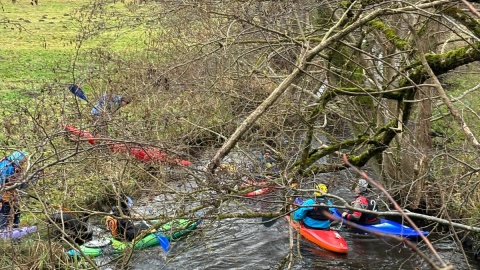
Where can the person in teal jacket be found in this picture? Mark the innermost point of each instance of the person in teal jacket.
(314, 216)
(10, 173)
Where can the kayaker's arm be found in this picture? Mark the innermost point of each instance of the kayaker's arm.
(354, 216)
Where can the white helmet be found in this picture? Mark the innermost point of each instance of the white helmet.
(362, 185)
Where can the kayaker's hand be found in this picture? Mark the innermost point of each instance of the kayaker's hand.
(344, 214)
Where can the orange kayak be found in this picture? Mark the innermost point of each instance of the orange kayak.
(330, 240)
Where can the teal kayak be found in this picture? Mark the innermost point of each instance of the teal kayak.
(172, 230)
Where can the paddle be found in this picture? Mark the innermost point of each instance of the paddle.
(268, 222)
(162, 239)
(164, 243)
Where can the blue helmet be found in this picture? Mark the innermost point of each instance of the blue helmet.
(17, 157)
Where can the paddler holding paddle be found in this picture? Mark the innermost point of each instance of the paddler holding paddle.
(312, 211)
(362, 202)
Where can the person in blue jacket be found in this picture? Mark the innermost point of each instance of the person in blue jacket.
(312, 211)
(10, 174)
(109, 103)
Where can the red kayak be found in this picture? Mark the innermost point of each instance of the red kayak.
(253, 183)
(80, 133)
(145, 154)
(328, 239)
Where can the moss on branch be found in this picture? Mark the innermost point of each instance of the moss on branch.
(442, 63)
(390, 34)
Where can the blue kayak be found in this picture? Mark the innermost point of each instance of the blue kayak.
(388, 227)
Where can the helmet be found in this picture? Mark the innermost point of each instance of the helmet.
(362, 185)
(321, 189)
(17, 157)
(228, 167)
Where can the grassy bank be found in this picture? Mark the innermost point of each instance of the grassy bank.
(37, 43)
(45, 43)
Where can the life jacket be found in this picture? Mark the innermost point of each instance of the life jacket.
(317, 212)
(367, 204)
(112, 225)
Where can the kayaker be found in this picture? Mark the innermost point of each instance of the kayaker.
(312, 211)
(76, 228)
(362, 202)
(109, 103)
(106, 106)
(11, 168)
(268, 163)
(120, 224)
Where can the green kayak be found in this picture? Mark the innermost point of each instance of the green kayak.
(172, 230)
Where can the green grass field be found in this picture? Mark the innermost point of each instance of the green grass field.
(36, 42)
(40, 42)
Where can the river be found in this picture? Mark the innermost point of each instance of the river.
(247, 244)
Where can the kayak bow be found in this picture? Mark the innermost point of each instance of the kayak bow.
(172, 230)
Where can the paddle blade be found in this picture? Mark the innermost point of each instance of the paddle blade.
(77, 91)
(163, 241)
(268, 222)
(298, 201)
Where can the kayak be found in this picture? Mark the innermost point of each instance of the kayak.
(330, 240)
(172, 230)
(264, 189)
(388, 227)
(145, 154)
(16, 233)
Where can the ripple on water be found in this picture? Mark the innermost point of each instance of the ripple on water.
(236, 244)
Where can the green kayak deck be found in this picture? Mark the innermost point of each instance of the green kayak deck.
(172, 230)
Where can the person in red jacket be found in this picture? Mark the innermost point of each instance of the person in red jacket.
(362, 202)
